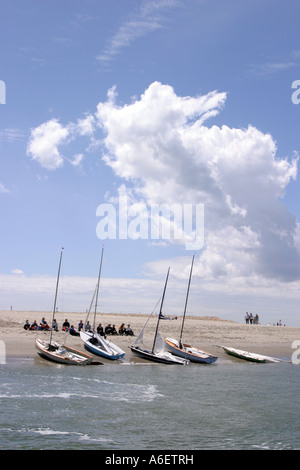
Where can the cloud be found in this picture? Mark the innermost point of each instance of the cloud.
(165, 152)
(85, 126)
(11, 135)
(273, 67)
(36, 293)
(17, 271)
(148, 18)
(77, 159)
(75, 293)
(44, 142)
(161, 146)
(3, 189)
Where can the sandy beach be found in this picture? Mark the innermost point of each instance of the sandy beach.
(207, 333)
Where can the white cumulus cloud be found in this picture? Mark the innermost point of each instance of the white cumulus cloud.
(161, 144)
(164, 149)
(44, 142)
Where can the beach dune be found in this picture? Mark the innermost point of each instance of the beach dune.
(207, 333)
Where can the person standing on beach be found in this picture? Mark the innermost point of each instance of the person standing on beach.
(247, 318)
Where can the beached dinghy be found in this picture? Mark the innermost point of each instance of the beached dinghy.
(178, 348)
(191, 353)
(57, 352)
(249, 356)
(95, 343)
(62, 354)
(100, 346)
(157, 353)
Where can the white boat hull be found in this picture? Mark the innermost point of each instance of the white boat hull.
(248, 356)
(163, 357)
(189, 352)
(100, 346)
(62, 354)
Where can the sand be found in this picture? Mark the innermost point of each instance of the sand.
(207, 333)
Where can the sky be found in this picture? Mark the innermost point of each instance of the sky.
(156, 130)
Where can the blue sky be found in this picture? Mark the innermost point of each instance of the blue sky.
(171, 101)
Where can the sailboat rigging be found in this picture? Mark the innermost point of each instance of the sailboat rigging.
(56, 352)
(186, 351)
(157, 353)
(93, 342)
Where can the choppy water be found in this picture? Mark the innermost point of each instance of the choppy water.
(120, 406)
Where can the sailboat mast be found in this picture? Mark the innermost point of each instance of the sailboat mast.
(54, 306)
(97, 291)
(186, 301)
(160, 311)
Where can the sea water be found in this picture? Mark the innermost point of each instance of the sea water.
(231, 404)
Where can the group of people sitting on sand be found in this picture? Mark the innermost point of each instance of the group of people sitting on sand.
(108, 330)
(43, 325)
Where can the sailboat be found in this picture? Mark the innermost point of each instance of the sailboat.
(95, 343)
(157, 353)
(56, 352)
(186, 351)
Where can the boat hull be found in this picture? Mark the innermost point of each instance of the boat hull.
(163, 358)
(248, 356)
(101, 347)
(62, 354)
(189, 352)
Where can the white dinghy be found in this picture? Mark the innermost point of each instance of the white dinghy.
(60, 353)
(250, 356)
(95, 343)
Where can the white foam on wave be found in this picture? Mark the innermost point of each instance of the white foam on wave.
(48, 432)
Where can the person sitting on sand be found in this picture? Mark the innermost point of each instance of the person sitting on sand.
(73, 332)
(44, 325)
(54, 325)
(80, 325)
(88, 327)
(129, 331)
(113, 330)
(34, 325)
(66, 325)
(26, 325)
(122, 329)
(100, 330)
(108, 329)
